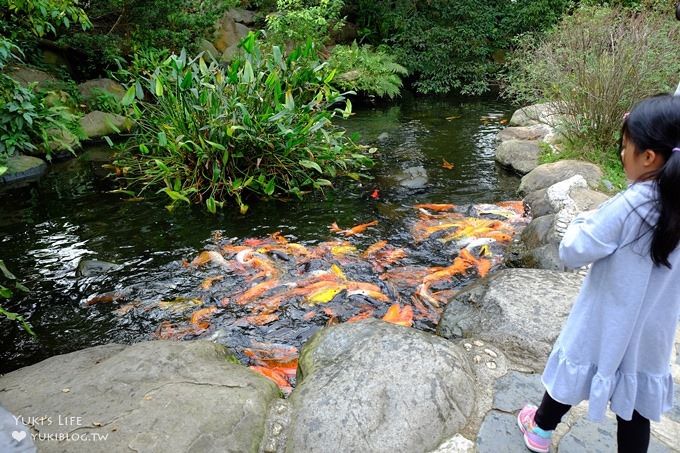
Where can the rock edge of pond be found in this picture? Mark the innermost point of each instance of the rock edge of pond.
(364, 386)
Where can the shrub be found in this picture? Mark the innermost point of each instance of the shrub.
(449, 46)
(261, 126)
(596, 65)
(363, 69)
(27, 123)
(298, 20)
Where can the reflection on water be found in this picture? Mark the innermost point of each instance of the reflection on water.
(48, 227)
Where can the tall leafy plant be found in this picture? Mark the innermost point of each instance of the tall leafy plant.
(595, 65)
(261, 126)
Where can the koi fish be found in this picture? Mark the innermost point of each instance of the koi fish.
(396, 315)
(446, 165)
(104, 298)
(377, 295)
(372, 249)
(363, 314)
(260, 320)
(256, 291)
(375, 194)
(275, 376)
(354, 230)
(324, 294)
(437, 207)
(179, 304)
(208, 282)
(200, 315)
(207, 256)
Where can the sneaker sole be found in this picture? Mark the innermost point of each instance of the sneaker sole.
(526, 441)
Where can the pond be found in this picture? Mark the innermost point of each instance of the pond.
(163, 286)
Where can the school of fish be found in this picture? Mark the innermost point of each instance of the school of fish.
(261, 283)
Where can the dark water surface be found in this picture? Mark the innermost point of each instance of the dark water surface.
(48, 227)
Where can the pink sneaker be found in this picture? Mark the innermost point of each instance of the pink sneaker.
(535, 438)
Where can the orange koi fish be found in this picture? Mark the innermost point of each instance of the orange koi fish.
(372, 249)
(208, 282)
(256, 291)
(437, 207)
(375, 194)
(261, 319)
(517, 206)
(200, 315)
(104, 298)
(396, 315)
(275, 376)
(365, 313)
(354, 230)
(446, 164)
(207, 256)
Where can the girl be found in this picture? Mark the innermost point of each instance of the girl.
(617, 342)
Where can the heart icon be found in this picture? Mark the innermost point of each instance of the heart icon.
(18, 435)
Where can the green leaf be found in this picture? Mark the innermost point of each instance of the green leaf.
(129, 96)
(210, 204)
(186, 81)
(8, 275)
(174, 195)
(269, 188)
(309, 164)
(162, 139)
(290, 103)
(323, 182)
(159, 87)
(161, 165)
(319, 124)
(248, 75)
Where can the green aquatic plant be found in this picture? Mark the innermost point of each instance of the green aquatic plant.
(6, 293)
(261, 126)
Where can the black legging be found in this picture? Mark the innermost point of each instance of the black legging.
(632, 436)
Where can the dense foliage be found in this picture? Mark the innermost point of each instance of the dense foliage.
(366, 70)
(261, 126)
(595, 65)
(450, 46)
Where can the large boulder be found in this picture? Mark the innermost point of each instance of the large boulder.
(21, 168)
(97, 124)
(150, 396)
(521, 309)
(521, 156)
(546, 113)
(546, 175)
(90, 89)
(379, 387)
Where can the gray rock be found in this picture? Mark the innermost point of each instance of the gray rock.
(589, 436)
(513, 390)
(521, 309)
(97, 124)
(518, 155)
(375, 386)
(25, 76)
(546, 175)
(241, 15)
(412, 178)
(535, 114)
(144, 397)
(22, 168)
(537, 232)
(535, 132)
(88, 268)
(90, 89)
(209, 50)
(500, 433)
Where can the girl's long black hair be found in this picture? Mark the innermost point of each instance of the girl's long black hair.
(655, 124)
